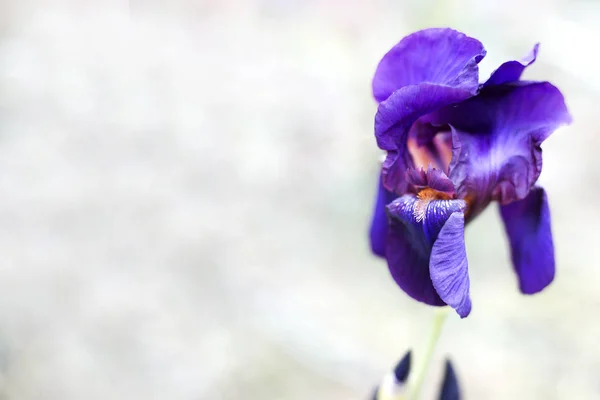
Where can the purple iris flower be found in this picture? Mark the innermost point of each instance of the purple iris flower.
(453, 146)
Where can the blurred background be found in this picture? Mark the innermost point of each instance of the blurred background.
(186, 187)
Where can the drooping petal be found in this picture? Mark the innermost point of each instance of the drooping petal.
(448, 266)
(511, 71)
(379, 222)
(436, 55)
(450, 389)
(424, 72)
(409, 264)
(414, 227)
(496, 140)
(528, 226)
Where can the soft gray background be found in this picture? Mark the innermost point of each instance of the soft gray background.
(185, 189)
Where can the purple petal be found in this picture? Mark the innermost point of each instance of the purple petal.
(414, 227)
(438, 55)
(448, 266)
(527, 223)
(393, 121)
(496, 140)
(511, 71)
(409, 265)
(379, 223)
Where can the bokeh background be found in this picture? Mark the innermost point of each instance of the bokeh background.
(185, 191)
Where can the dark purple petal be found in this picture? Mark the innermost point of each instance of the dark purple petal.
(393, 121)
(437, 55)
(379, 223)
(496, 139)
(409, 265)
(450, 389)
(527, 223)
(511, 71)
(448, 266)
(414, 228)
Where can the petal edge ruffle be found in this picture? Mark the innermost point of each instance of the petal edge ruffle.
(511, 71)
(436, 55)
(496, 138)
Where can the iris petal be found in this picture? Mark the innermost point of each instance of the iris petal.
(424, 72)
(511, 71)
(496, 139)
(528, 227)
(379, 222)
(448, 266)
(414, 228)
(408, 261)
(437, 55)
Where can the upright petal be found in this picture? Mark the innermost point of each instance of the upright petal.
(496, 140)
(435, 55)
(379, 223)
(414, 227)
(511, 71)
(425, 71)
(448, 266)
(528, 226)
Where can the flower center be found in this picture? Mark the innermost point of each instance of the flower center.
(436, 152)
(426, 196)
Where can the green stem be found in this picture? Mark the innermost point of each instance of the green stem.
(415, 380)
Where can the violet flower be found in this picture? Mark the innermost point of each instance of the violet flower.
(453, 146)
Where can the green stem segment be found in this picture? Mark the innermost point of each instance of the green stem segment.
(417, 376)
